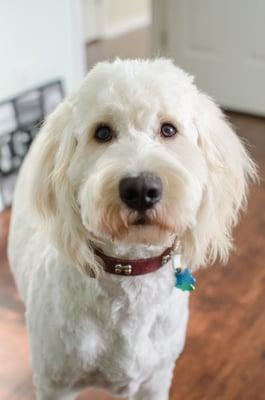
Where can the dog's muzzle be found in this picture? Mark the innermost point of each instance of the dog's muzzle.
(141, 192)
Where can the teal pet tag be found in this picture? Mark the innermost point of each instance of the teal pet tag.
(185, 280)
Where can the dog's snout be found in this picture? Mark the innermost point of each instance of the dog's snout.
(141, 192)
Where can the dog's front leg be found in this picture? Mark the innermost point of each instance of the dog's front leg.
(47, 393)
(157, 387)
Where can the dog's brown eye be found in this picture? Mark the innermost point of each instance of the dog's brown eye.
(103, 133)
(168, 130)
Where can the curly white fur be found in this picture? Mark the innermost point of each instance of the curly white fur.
(120, 333)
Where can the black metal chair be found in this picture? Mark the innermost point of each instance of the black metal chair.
(20, 120)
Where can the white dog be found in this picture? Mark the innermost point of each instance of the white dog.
(134, 162)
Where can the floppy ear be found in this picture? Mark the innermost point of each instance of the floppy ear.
(52, 194)
(230, 169)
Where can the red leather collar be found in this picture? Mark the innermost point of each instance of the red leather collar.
(126, 267)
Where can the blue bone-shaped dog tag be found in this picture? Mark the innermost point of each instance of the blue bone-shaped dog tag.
(185, 280)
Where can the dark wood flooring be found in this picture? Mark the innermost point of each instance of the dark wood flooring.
(224, 357)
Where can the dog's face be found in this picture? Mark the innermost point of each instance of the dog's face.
(138, 171)
(139, 156)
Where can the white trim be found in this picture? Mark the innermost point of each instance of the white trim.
(158, 27)
(78, 42)
(130, 25)
(93, 19)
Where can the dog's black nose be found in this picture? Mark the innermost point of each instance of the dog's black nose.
(141, 192)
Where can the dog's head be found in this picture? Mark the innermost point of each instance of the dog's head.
(138, 155)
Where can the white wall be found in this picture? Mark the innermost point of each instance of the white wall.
(39, 40)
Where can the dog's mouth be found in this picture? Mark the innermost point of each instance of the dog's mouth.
(142, 220)
(151, 226)
(147, 222)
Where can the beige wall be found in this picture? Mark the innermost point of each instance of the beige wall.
(110, 18)
(119, 12)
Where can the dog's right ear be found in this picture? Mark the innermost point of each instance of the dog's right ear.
(52, 194)
(55, 146)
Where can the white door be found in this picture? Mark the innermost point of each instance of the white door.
(221, 42)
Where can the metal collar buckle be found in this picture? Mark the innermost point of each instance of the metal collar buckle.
(166, 259)
(126, 269)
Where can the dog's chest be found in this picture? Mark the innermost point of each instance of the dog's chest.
(119, 358)
(113, 333)
(128, 337)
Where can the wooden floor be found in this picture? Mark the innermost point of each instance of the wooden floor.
(224, 356)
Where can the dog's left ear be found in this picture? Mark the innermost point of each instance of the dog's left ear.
(230, 169)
